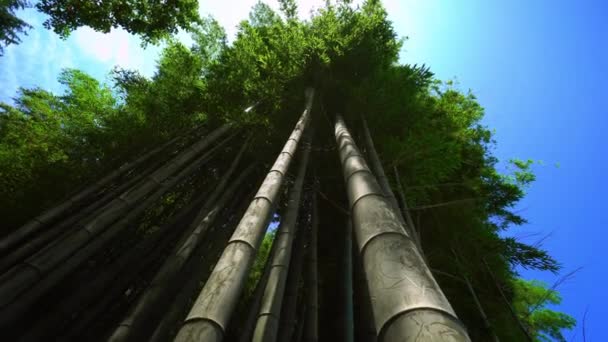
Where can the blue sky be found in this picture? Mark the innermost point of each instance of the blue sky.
(540, 68)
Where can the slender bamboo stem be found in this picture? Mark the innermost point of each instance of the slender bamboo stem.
(290, 307)
(406, 209)
(521, 324)
(312, 318)
(484, 317)
(267, 324)
(349, 320)
(382, 179)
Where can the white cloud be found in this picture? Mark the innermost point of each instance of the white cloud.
(115, 48)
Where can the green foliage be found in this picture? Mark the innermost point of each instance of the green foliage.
(530, 302)
(153, 20)
(10, 25)
(258, 264)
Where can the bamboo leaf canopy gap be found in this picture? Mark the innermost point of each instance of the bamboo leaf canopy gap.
(407, 301)
(213, 308)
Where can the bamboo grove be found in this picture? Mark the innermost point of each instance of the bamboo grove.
(296, 184)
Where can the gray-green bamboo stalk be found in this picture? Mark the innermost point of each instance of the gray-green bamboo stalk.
(406, 208)
(408, 304)
(213, 308)
(52, 214)
(267, 323)
(246, 330)
(349, 320)
(290, 307)
(521, 324)
(378, 170)
(40, 264)
(311, 333)
(138, 316)
(12, 309)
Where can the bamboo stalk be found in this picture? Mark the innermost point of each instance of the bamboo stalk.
(521, 324)
(407, 304)
(267, 324)
(382, 179)
(290, 307)
(484, 317)
(406, 208)
(214, 306)
(312, 299)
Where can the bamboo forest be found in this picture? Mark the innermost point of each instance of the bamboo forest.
(295, 183)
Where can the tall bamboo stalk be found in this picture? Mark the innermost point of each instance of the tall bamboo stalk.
(50, 215)
(408, 304)
(246, 329)
(159, 287)
(213, 308)
(267, 323)
(406, 208)
(376, 164)
(349, 320)
(12, 309)
(311, 333)
(40, 264)
(521, 324)
(484, 317)
(290, 306)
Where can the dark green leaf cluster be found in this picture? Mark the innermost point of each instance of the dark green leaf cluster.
(153, 20)
(10, 25)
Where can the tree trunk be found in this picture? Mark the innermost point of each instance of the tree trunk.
(131, 327)
(267, 324)
(15, 304)
(212, 310)
(407, 300)
(40, 264)
(312, 299)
